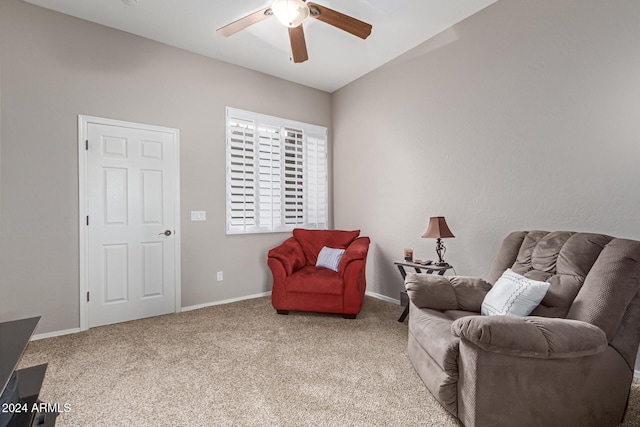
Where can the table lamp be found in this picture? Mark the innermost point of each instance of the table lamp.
(438, 229)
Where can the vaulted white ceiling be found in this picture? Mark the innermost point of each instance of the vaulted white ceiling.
(335, 57)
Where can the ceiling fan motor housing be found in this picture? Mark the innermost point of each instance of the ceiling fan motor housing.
(292, 13)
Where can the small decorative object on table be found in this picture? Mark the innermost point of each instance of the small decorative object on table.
(408, 254)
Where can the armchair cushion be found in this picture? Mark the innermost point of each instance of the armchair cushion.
(314, 280)
(536, 337)
(446, 292)
(312, 241)
(514, 294)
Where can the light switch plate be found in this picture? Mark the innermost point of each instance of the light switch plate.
(198, 215)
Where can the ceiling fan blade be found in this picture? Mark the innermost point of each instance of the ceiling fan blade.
(243, 23)
(340, 20)
(298, 44)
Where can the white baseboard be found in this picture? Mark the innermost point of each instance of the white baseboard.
(636, 374)
(37, 337)
(226, 301)
(382, 297)
(54, 334)
(266, 294)
(210, 304)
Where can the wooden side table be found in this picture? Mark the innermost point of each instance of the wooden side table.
(418, 267)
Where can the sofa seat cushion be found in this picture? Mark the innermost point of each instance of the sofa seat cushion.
(457, 314)
(432, 329)
(315, 280)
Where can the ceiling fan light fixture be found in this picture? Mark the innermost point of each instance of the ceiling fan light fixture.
(291, 13)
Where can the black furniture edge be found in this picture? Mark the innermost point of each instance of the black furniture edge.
(29, 410)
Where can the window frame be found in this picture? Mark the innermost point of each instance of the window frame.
(277, 173)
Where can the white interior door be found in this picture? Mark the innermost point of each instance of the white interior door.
(131, 199)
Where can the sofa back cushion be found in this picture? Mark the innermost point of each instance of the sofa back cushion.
(312, 241)
(561, 258)
(610, 287)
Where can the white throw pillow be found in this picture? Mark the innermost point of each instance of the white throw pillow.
(513, 294)
(329, 258)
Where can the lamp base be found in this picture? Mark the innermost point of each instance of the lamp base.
(440, 250)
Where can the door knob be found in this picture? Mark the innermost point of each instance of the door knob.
(165, 232)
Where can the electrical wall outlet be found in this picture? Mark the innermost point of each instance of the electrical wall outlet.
(219, 276)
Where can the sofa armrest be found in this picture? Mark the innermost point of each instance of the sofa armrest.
(357, 250)
(446, 292)
(535, 337)
(290, 255)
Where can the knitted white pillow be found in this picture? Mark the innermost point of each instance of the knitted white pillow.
(329, 258)
(513, 294)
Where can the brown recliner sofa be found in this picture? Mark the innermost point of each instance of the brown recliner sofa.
(569, 363)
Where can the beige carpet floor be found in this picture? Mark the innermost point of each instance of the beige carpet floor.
(241, 364)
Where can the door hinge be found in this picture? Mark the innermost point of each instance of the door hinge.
(86, 144)
(87, 296)
(87, 219)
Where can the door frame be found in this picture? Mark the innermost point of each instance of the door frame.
(83, 125)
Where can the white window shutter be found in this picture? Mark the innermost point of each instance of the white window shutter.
(317, 187)
(269, 178)
(276, 174)
(293, 178)
(241, 191)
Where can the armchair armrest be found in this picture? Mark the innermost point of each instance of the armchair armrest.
(357, 250)
(536, 337)
(446, 292)
(290, 255)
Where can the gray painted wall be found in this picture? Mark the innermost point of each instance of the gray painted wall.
(524, 116)
(54, 67)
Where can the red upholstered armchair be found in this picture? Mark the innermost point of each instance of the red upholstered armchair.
(299, 285)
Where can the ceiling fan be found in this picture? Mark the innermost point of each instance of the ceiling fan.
(292, 13)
